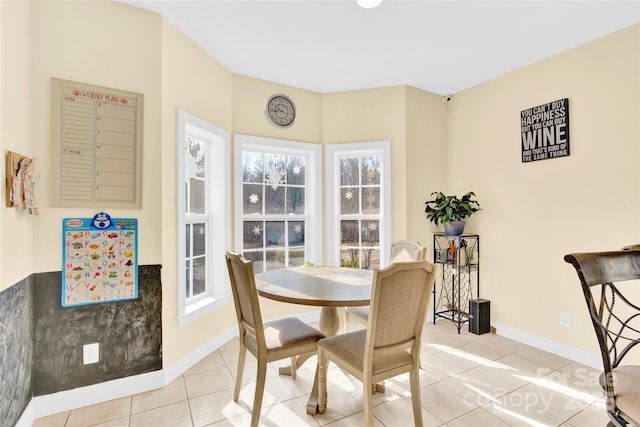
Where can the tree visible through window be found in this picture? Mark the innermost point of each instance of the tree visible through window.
(276, 208)
(203, 220)
(360, 212)
(273, 186)
(358, 203)
(196, 219)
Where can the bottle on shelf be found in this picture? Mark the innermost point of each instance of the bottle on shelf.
(452, 251)
(463, 252)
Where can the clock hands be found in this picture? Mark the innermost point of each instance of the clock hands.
(281, 110)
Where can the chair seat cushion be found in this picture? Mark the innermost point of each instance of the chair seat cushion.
(285, 333)
(350, 348)
(627, 388)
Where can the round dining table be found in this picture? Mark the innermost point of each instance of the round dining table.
(326, 287)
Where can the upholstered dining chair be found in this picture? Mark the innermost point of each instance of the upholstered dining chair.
(401, 251)
(390, 345)
(280, 339)
(609, 282)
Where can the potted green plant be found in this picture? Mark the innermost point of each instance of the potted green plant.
(451, 211)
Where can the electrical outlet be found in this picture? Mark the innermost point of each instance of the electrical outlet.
(91, 353)
(565, 320)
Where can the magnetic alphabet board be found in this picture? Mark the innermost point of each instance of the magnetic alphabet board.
(96, 146)
(100, 260)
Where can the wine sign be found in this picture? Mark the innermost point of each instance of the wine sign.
(545, 131)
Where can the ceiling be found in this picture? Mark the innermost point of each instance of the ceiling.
(438, 46)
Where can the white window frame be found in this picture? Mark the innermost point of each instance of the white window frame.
(333, 154)
(313, 185)
(217, 216)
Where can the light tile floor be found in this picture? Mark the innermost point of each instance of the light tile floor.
(467, 380)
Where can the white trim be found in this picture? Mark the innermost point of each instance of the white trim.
(90, 395)
(42, 406)
(202, 308)
(187, 362)
(28, 415)
(592, 360)
(218, 212)
(313, 183)
(332, 176)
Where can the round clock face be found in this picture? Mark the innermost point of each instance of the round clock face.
(281, 110)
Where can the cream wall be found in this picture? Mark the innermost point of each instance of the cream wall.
(414, 122)
(250, 96)
(16, 238)
(106, 44)
(535, 213)
(373, 115)
(249, 103)
(198, 84)
(426, 161)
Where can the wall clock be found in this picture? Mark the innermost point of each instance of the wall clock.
(281, 110)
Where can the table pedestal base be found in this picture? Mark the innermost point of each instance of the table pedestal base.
(329, 321)
(329, 326)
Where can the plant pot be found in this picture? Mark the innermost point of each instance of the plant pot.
(453, 228)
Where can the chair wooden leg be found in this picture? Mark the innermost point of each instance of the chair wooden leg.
(294, 367)
(368, 401)
(242, 355)
(257, 400)
(414, 377)
(322, 381)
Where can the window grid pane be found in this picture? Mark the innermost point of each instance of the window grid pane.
(252, 198)
(196, 239)
(195, 175)
(199, 275)
(360, 199)
(199, 239)
(274, 185)
(274, 244)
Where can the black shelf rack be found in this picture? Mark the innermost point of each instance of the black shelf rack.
(459, 279)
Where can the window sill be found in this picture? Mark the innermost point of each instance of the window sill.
(201, 308)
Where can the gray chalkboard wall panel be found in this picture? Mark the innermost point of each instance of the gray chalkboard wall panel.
(16, 350)
(41, 342)
(129, 334)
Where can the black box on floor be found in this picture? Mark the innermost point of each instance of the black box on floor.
(479, 316)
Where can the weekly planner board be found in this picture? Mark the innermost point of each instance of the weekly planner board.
(96, 140)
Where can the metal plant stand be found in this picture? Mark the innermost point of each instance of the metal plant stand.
(459, 281)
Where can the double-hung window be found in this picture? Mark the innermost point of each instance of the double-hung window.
(203, 218)
(358, 177)
(278, 198)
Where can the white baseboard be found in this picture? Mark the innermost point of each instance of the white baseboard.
(96, 393)
(28, 416)
(181, 366)
(42, 406)
(592, 360)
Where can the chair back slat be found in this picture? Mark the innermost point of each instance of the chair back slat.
(399, 302)
(245, 295)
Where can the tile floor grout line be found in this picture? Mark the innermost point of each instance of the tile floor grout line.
(431, 340)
